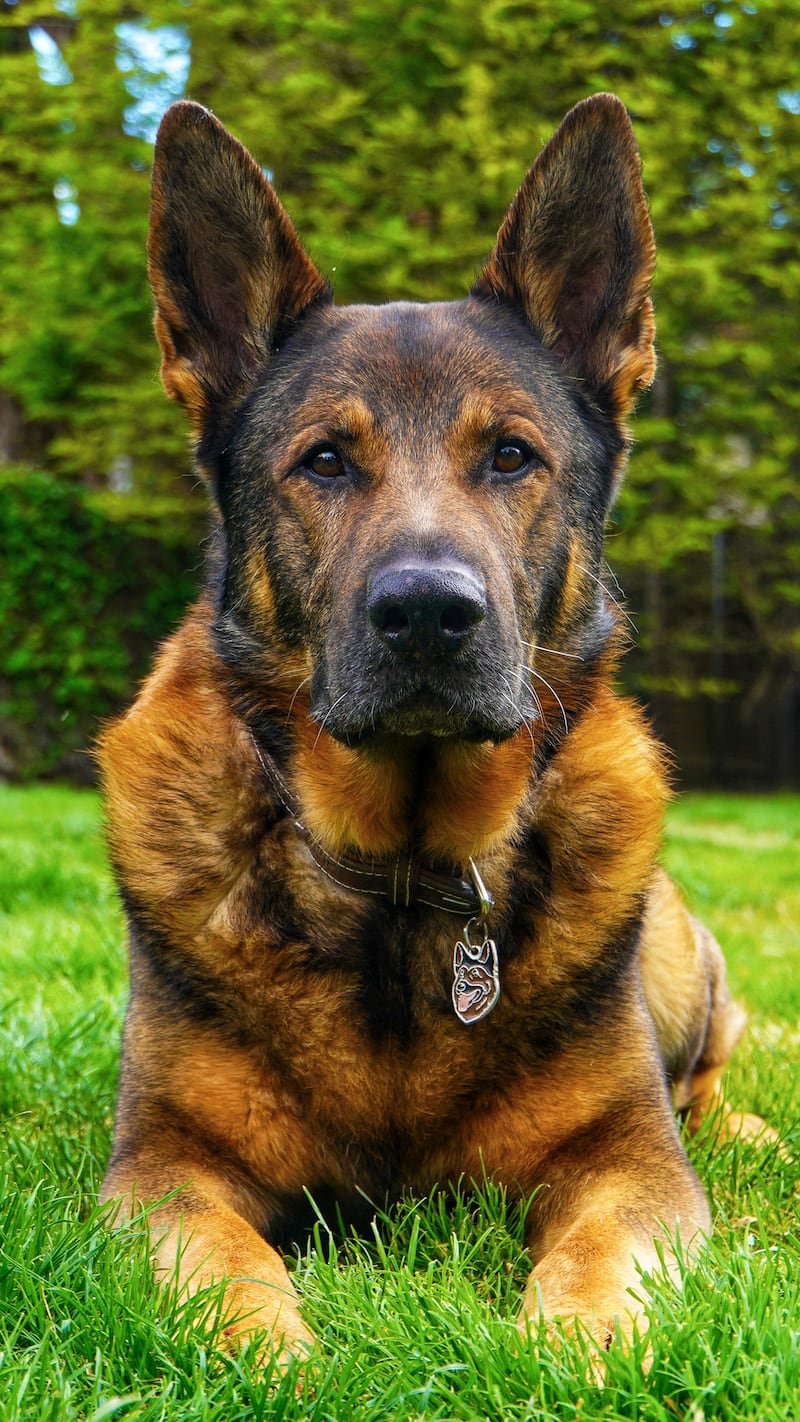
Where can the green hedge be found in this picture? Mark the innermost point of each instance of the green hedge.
(88, 585)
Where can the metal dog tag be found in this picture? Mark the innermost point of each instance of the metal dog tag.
(476, 976)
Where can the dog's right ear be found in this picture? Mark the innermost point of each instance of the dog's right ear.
(226, 266)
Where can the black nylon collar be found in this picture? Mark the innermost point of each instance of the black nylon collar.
(402, 879)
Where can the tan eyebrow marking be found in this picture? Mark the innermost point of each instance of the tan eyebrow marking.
(348, 422)
(482, 418)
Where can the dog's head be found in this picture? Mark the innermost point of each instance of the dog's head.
(413, 496)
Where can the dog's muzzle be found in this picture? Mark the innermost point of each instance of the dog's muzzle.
(423, 653)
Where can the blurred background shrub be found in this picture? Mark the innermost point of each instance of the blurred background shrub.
(85, 594)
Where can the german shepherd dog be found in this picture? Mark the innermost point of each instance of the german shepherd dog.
(386, 836)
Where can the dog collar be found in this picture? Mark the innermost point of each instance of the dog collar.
(405, 880)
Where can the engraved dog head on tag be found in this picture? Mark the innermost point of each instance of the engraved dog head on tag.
(476, 980)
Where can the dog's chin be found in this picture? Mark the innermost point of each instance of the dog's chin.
(424, 716)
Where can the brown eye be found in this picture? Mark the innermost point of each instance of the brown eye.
(511, 457)
(324, 461)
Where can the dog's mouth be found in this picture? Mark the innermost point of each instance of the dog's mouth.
(424, 711)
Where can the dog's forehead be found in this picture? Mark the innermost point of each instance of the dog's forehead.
(430, 364)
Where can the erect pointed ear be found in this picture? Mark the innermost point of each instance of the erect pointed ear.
(225, 264)
(576, 253)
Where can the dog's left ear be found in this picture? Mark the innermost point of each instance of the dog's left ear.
(576, 253)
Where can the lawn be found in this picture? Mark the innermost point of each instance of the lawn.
(414, 1322)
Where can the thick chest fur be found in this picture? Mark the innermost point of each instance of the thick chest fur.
(340, 1064)
(306, 1033)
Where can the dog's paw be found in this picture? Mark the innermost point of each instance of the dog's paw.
(285, 1341)
(596, 1337)
(602, 1328)
(595, 1334)
(745, 1126)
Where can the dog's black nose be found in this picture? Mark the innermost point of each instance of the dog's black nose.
(426, 607)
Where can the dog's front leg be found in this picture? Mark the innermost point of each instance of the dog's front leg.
(595, 1231)
(201, 1236)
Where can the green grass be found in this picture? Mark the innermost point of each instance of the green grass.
(415, 1322)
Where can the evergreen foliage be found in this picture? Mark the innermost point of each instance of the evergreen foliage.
(83, 598)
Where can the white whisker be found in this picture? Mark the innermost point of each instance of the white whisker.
(328, 713)
(608, 594)
(537, 647)
(298, 689)
(518, 710)
(553, 691)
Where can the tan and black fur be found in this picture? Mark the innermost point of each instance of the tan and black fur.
(285, 1034)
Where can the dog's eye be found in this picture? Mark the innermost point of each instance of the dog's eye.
(511, 457)
(325, 461)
